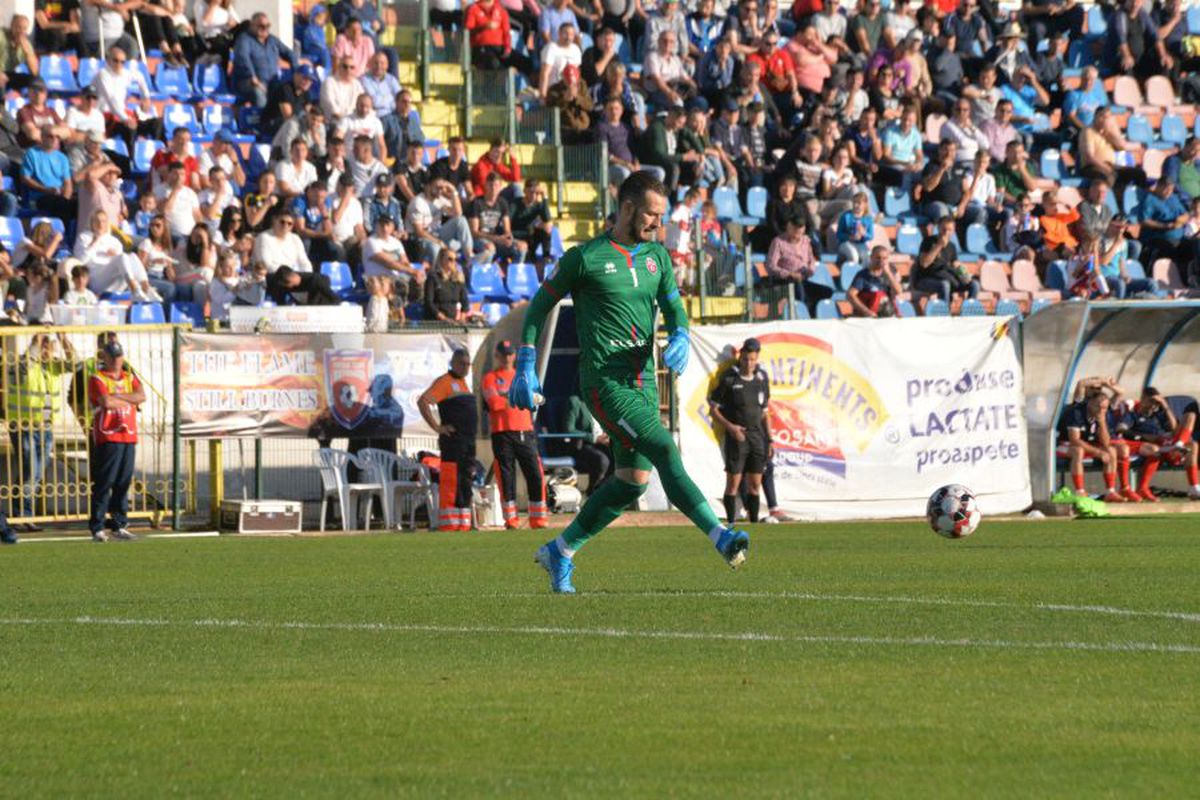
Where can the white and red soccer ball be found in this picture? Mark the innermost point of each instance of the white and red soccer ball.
(953, 511)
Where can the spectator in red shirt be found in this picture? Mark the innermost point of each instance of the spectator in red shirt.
(491, 38)
(178, 151)
(492, 161)
(778, 70)
(114, 394)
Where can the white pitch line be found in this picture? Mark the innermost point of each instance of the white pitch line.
(620, 633)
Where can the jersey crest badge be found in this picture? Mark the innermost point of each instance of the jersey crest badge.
(651, 267)
(610, 268)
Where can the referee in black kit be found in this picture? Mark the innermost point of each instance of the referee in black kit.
(739, 405)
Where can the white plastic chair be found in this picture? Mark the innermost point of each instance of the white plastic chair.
(406, 486)
(335, 483)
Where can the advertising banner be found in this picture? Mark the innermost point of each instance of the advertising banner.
(310, 385)
(868, 417)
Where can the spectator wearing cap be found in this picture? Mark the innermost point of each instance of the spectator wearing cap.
(288, 99)
(256, 57)
(114, 395)
(665, 75)
(491, 224)
(383, 202)
(494, 161)
(556, 57)
(364, 122)
(575, 105)
(88, 153)
(1007, 55)
(46, 177)
(356, 47)
(223, 154)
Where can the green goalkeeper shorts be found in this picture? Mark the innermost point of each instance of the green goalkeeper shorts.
(629, 414)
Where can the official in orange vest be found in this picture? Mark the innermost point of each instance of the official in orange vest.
(114, 394)
(457, 423)
(513, 442)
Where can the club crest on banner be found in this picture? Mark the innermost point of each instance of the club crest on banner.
(348, 383)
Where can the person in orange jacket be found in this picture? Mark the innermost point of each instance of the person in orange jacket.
(513, 443)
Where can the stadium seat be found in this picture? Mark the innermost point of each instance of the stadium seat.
(1139, 130)
(904, 308)
(1131, 201)
(1051, 164)
(1080, 53)
(970, 308)
(728, 207)
(116, 145)
(259, 162)
(88, 67)
(141, 67)
(187, 313)
(800, 311)
(1159, 91)
(179, 115)
(1135, 269)
(1057, 279)
(494, 312)
(1038, 305)
(217, 117)
(937, 307)
(1167, 274)
(1025, 279)
(827, 309)
(1174, 130)
(146, 314)
(849, 271)
(339, 274)
(209, 81)
(1127, 92)
(11, 232)
(908, 240)
(756, 202)
(896, 202)
(1008, 308)
(556, 245)
(522, 281)
(487, 284)
(172, 81)
(1152, 162)
(978, 240)
(144, 151)
(993, 277)
(1193, 20)
(56, 71)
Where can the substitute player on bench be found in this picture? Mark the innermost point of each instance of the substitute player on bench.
(1083, 434)
(1158, 437)
(739, 405)
(513, 442)
(618, 281)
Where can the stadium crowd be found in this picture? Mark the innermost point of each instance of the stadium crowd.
(993, 156)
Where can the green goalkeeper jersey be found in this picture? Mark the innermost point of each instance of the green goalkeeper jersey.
(617, 292)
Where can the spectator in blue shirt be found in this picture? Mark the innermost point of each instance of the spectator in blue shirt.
(1026, 95)
(46, 176)
(1081, 104)
(703, 28)
(855, 230)
(312, 39)
(256, 57)
(554, 17)
(902, 159)
(1164, 215)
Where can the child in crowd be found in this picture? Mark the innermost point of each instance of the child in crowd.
(855, 230)
(147, 208)
(79, 294)
(679, 238)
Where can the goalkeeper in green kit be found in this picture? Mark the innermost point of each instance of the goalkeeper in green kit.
(618, 282)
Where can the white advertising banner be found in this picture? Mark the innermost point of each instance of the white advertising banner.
(868, 417)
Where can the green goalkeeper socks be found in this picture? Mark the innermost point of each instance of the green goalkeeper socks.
(604, 506)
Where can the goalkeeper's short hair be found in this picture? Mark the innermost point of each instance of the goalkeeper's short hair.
(638, 185)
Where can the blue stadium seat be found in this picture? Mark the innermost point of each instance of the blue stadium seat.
(16, 102)
(172, 81)
(1174, 130)
(827, 309)
(141, 67)
(179, 115)
(522, 281)
(1131, 201)
(1080, 54)
(1193, 20)
(494, 312)
(88, 67)
(1135, 269)
(144, 151)
(822, 276)
(908, 240)
(971, 308)
(146, 314)
(936, 307)
(116, 145)
(341, 280)
(11, 232)
(1008, 308)
(260, 159)
(1056, 277)
(1110, 202)
(1038, 304)
(756, 202)
(728, 207)
(904, 308)
(56, 72)
(556, 245)
(849, 271)
(800, 311)
(1051, 165)
(1139, 130)
(487, 284)
(978, 240)
(209, 81)
(217, 117)
(896, 202)
(187, 313)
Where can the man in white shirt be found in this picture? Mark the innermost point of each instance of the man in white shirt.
(178, 203)
(112, 84)
(295, 174)
(365, 168)
(435, 220)
(222, 154)
(383, 255)
(279, 246)
(364, 122)
(664, 74)
(557, 56)
(347, 217)
(340, 92)
(85, 117)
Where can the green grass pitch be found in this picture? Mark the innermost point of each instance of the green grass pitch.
(848, 660)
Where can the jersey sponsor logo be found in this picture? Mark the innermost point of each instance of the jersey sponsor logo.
(348, 383)
(624, 343)
(610, 268)
(651, 267)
